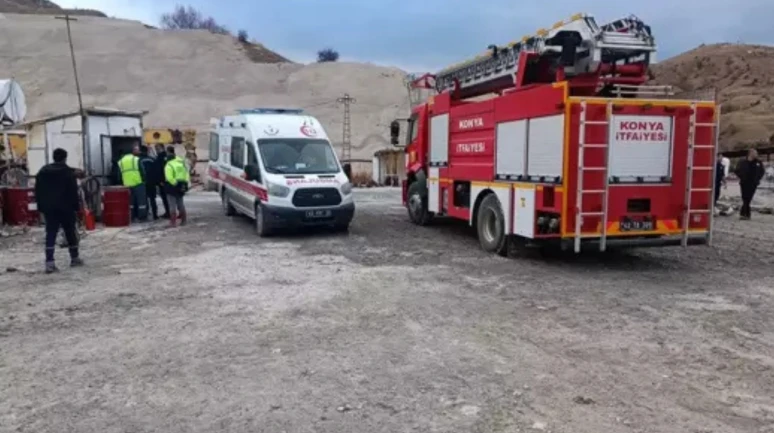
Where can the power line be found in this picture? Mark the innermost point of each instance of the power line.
(346, 133)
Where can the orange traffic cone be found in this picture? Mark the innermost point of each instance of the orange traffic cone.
(88, 220)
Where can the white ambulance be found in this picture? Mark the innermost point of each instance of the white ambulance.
(278, 167)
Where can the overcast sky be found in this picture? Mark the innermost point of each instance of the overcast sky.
(425, 35)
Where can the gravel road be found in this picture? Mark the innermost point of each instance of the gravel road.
(392, 328)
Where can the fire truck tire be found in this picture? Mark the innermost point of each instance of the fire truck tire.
(228, 209)
(490, 223)
(417, 204)
(262, 228)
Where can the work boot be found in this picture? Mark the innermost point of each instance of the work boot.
(172, 219)
(183, 216)
(51, 268)
(76, 262)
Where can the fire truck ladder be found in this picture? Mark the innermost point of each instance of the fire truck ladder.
(689, 189)
(582, 168)
(497, 68)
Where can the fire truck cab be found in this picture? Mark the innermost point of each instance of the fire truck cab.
(555, 140)
(278, 167)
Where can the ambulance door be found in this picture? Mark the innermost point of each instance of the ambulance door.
(239, 192)
(253, 161)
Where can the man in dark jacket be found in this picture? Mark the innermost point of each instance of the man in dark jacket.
(148, 164)
(720, 177)
(56, 193)
(158, 172)
(750, 171)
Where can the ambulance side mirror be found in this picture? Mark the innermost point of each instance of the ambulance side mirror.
(394, 133)
(252, 172)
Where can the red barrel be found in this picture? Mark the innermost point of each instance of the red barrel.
(116, 202)
(19, 206)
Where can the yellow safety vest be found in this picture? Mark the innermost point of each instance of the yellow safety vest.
(175, 171)
(129, 166)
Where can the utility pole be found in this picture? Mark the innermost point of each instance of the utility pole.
(84, 135)
(346, 134)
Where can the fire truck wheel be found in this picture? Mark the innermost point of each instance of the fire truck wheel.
(228, 209)
(262, 228)
(417, 205)
(490, 223)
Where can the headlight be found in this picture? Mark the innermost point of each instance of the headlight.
(276, 190)
(346, 188)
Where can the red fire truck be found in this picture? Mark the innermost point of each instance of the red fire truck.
(556, 140)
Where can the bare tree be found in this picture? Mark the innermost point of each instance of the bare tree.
(242, 36)
(186, 17)
(327, 55)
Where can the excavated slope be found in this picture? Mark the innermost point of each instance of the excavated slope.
(744, 78)
(43, 7)
(185, 77)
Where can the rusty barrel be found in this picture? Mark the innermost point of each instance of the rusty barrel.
(19, 206)
(116, 202)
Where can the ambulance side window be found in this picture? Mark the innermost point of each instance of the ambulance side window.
(214, 146)
(238, 152)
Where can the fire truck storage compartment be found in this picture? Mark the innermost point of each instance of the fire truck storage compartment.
(511, 149)
(545, 148)
(439, 139)
(640, 148)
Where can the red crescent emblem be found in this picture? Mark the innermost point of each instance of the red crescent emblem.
(308, 131)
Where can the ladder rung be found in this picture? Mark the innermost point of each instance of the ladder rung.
(593, 191)
(704, 146)
(706, 125)
(596, 122)
(701, 189)
(699, 211)
(592, 213)
(595, 146)
(703, 168)
(594, 168)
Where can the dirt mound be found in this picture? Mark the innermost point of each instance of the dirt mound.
(744, 78)
(42, 7)
(185, 77)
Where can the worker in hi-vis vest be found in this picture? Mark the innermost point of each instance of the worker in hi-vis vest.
(176, 182)
(132, 177)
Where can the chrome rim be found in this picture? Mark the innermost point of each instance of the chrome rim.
(489, 225)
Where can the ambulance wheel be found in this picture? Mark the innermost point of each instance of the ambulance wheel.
(262, 228)
(228, 209)
(490, 223)
(417, 205)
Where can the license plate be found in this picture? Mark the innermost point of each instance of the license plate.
(630, 225)
(318, 214)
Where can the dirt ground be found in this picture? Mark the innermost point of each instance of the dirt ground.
(392, 328)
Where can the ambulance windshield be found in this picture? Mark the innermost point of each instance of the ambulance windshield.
(297, 156)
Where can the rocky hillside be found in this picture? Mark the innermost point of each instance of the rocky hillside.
(42, 7)
(744, 78)
(184, 77)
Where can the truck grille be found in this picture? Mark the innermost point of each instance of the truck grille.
(311, 197)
